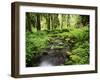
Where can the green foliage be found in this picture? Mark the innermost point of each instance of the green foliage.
(70, 62)
(34, 43)
(57, 31)
(75, 58)
(76, 39)
(79, 42)
(80, 34)
(83, 53)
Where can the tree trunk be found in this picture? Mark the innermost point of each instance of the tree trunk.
(38, 22)
(48, 21)
(68, 20)
(28, 22)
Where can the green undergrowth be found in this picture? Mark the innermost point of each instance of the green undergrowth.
(77, 39)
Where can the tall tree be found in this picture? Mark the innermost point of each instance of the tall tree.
(84, 20)
(60, 21)
(68, 20)
(38, 25)
(28, 22)
(48, 20)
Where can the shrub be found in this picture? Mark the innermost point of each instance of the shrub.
(75, 58)
(34, 43)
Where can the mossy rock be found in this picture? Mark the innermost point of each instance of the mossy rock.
(75, 58)
(68, 62)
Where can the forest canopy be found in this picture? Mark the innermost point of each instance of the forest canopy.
(47, 21)
(62, 39)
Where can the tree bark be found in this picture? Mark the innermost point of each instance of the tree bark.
(38, 22)
(28, 22)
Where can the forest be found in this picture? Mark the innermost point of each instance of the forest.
(56, 39)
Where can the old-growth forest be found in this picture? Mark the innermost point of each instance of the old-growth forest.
(58, 39)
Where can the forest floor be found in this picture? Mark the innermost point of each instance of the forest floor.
(59, 47)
